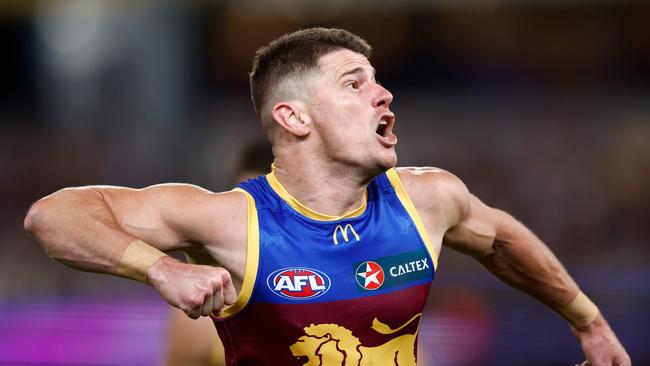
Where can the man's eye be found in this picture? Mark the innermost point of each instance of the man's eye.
(353, 85)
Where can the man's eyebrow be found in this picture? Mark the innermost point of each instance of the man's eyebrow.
(357, 70)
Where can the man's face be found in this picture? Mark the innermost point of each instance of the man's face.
(351, 112)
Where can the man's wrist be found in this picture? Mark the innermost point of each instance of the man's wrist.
(580, 312)
(137, 259)
(596, 326)
(162, 270)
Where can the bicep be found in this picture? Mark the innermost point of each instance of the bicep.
(478, 228)
(169, 216)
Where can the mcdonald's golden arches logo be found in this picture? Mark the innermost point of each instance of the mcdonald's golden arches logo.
(344, 233)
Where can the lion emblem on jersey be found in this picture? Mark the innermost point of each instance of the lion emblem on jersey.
(334, 345)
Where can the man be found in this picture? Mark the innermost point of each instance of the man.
(328, 259)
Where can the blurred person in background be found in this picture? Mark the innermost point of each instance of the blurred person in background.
(328, 259)
(195, 342)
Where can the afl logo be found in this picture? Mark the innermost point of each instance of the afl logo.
(298, 283)
(370, 275)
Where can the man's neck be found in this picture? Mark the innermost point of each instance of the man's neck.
(325, 188)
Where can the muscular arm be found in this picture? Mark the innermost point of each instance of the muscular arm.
(89, 228)
(510, 251)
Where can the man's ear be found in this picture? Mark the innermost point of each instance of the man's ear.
(289, 115)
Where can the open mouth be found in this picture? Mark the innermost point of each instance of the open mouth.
(385, 130)
(382, 128)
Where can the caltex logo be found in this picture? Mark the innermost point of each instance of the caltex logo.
(370, 275)
(298, 283)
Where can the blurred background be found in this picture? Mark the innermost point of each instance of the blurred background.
(541, 107)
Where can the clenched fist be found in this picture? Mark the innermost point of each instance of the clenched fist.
(198, 290)
(600, 345)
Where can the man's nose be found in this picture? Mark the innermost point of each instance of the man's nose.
(383, 97)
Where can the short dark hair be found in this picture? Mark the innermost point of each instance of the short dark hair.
(297, 53)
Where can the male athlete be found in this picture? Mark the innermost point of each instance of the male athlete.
(328, 259)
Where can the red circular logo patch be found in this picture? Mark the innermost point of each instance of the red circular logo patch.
(370, 275)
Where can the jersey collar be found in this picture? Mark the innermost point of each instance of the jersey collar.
(306, 211)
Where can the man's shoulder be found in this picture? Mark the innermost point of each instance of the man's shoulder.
(228, 202)
(432, 188)
(430, 179)
(221, 218)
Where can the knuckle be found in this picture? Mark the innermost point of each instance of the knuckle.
(204, 289)
(216, 284)
(195, 301)
(223, 274)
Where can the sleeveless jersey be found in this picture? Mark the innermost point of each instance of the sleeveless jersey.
(325, 290)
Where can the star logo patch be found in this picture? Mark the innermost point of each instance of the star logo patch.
(370, 275)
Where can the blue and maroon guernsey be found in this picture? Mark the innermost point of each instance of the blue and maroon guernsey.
(325, 290)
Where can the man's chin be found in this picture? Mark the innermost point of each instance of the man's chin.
(388, 162)
(379, 164)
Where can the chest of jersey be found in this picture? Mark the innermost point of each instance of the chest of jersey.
(323, 285)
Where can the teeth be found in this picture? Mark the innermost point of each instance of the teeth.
(383, 122)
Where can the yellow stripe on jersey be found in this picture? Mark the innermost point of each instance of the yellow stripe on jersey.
(393, 177)
(306, 211)
(252, 258)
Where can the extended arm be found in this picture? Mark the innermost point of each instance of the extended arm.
(512, 253)
(515, 255)
(90, 228)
